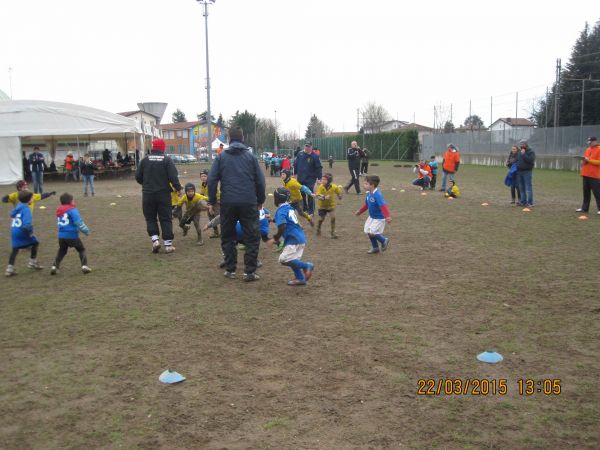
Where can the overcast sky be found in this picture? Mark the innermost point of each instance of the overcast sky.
(327, 57)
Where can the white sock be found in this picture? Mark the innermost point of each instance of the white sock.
(168, 243)
(154, 238)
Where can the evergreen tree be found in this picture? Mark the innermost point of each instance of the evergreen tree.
(474, 122)
(316, 128)
(178, 116)
(220, 121)
(448, 127)
(247, 122)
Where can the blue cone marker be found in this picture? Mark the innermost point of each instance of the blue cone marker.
(490, 356)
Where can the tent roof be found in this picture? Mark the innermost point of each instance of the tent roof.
(26, 118)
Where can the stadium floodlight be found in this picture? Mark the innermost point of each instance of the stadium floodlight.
(208, 114)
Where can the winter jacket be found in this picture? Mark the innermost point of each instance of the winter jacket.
(241, 178)
(354, 155)
(37, 162)
(451, 161)
(308, 168)
(69, 222)
(526, 161)
(21, 229)
(87, 168)
(155, 172)
(510, 179)
(512, 158)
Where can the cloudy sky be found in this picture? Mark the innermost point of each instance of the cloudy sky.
(327, 57)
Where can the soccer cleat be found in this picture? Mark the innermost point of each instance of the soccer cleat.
(85, 269)
(250, 277)
(230, 275)
(308, 272)
(385, 244)
(10, 271)
(580, 210)
(373, 250)
(295, 282)
(33, 264)
(155, 246)
(53, 270)
(169, 249)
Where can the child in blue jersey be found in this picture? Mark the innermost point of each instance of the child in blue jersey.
(21, 232)
(379, 214)
(70, 224)
(293, 238)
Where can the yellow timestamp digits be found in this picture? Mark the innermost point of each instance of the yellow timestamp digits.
(459, 386)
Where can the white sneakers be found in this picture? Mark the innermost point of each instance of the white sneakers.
(85, 269)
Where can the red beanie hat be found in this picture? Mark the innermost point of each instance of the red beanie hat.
(158, 144)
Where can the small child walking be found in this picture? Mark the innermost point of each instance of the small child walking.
(294, 240)
(379, 214)
(69, 223)
(326, 195)
(21, 231)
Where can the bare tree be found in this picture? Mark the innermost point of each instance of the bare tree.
(374, 116)
(442, 115)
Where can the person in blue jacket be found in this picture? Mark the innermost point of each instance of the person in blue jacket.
(70, 223)
(21, 232)
(308, 170)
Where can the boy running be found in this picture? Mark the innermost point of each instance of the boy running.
(296, 189)
(326, 195)
(21, 231)
(293, 238)
(379, 214)
(22, 185)
(70, 224)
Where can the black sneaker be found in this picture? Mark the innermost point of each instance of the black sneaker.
(250, 277)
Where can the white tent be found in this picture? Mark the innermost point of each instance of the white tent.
(217, 143)
(42, 119)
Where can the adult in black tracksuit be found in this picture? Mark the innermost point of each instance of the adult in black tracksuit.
(156, 173)
(242, 195)
(354, 155)
(364, 162)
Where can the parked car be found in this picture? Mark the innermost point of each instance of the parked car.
(188, 159)
(176, 158)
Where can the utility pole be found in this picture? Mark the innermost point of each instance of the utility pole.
(517, 106)
(556, 98)
(275, 144)
(208, 113)
(357, 119)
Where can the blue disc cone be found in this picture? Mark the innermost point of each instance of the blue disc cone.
(170, 377)
(490, 357)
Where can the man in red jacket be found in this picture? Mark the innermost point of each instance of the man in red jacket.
(450, 164)
(590, 174)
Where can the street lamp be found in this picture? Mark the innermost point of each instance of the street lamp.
(275, 144)
(208, 114)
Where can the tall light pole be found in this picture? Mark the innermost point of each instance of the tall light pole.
(275, 144)
(208, 114)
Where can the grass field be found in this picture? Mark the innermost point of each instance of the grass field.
(332, 365)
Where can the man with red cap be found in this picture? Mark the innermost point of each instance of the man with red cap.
(157, 173)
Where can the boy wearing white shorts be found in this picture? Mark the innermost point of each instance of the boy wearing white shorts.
(379, 214)
(294, 240)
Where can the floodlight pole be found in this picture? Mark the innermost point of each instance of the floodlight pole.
(208, 114)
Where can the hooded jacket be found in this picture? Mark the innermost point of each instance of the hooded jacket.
(241, 178)
(21, 229)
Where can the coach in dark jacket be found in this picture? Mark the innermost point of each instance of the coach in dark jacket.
(525, 164)
(308, 170)
(158, 176)
(242, 195)
(354, 155)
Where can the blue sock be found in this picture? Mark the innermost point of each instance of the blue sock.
(298, 273)
(297, 267)
(380, 238)
(374, 241)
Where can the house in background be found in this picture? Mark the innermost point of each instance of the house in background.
(190, 137)
(148, 123)
(506, 130)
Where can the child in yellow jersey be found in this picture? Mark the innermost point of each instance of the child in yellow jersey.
(194, 204)
(326, 201)
(216, 208)
(452, 191)
(174, 202)
(296, 189)
(22, 185)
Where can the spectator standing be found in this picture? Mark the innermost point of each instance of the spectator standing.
(106, 157)
(515, 194)
(26, 168)
(69, 167)
(37, 165)
(308, 170)
(242, 184)
(525, 165)
(330, 161)
(354, 155)
(590, 174)
(157, 173)
(87, 172)
(450, 165)
(434, 168)
(364, 162)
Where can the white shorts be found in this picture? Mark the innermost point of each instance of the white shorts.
(291, 252)
(374, 226)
